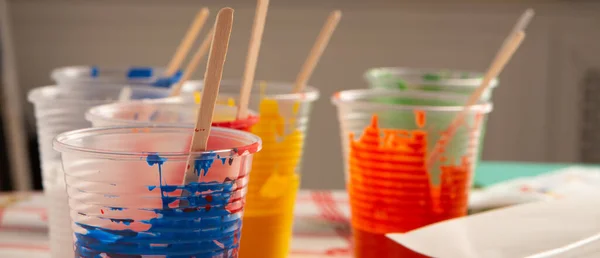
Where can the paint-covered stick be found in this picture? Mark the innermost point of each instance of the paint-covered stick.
(258, 27)
(193, 64)
(317, 50)
(212, 81)
(187, 42)
(495, 69)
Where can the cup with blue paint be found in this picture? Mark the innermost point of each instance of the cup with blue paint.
(430, 80)
(78, 76)
(125, 188)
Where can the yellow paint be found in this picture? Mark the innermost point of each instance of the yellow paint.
(231, 102)
(197, 97)
(274, 183)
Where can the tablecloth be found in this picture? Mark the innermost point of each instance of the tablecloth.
(321, 226)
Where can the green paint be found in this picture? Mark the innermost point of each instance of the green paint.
(431, 77)
(401, 85)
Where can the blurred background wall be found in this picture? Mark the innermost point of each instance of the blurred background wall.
(537, 105)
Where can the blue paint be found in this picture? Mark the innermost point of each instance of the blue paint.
(116, 208)
(139, 73)
(178, 232)
(204, 162)
(223, 160)
(166, 82)
(154, 115)
(94, 72)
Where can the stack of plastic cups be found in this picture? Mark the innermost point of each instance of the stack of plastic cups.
(438, 80)
(392, 189)
(58, 110)
(275, 178)
(164, 113)
(78, 76)
(127, 197)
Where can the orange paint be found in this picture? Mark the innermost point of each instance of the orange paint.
(391, 191)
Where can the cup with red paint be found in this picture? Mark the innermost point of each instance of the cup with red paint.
(387, 137)
(164, 113)
(126, 196)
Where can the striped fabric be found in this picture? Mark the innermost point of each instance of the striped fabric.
(321, 226)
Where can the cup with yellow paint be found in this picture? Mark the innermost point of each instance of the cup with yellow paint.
(273, 186)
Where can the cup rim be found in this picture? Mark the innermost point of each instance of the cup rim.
(308, 95)
(50, 93)
(356, 96)
(67, 73)
(60, 143)
(370, 75)
(94, 113)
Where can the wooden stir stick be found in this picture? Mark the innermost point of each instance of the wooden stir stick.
(521, 25)
(495, 69)
(212, 81)
(252, 57)
(187, 42)
(317, 50)
(193, 64)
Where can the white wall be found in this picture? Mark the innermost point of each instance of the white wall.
(535, 116)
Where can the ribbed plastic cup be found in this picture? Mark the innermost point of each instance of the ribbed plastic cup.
(385, 147)
(437, 80)
(78, 76)
(162, 113)
(126, 191)
(276, 169)
(59, 110)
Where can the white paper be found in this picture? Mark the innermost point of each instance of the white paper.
(574, 181)
(513, 232)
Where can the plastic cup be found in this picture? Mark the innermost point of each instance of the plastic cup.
(275, 178)
(125, 188)
(453, 81)
(58, 110)
(385, 147)
(78, 76)
(161, 113)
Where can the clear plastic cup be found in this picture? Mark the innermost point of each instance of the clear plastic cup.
(59, 110)
(453, 81)
(126, 191)
(78, 76)
(275, 178)
(160, 113)
(385, 147)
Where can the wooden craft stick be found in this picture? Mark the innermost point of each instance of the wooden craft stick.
(317, 51)
(187, 42)
(252, 57)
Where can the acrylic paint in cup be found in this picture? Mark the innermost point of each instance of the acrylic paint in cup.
(386, 146)
(125, 195)
(95, 76)
(431, 80)
(275, 178)
(164, 113)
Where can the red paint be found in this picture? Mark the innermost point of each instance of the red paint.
(391, 191)
(207, 207)
(196, 130)
(101, 211)
(208, 198)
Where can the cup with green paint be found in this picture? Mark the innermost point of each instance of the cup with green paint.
(439, 80)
